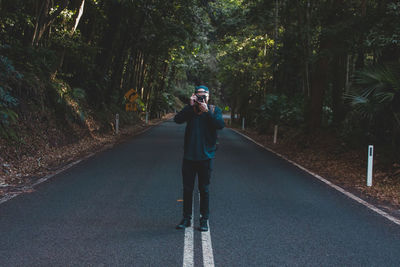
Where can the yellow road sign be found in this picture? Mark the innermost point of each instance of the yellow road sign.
(131, 95)
(130, 107)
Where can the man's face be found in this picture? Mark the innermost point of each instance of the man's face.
(202, 92)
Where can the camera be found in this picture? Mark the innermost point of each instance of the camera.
(201, 98)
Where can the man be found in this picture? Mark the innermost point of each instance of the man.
(202, 121)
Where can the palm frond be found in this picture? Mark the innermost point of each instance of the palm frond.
(379, 78)
(359, 100)
(384, 97)
(376, 87)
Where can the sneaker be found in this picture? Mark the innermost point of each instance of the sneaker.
(184, 223)
(203, 225)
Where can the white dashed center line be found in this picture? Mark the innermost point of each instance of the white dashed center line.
(188, 246)
(208, 256)
(188, 259)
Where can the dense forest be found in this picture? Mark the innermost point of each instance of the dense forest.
(326, 65)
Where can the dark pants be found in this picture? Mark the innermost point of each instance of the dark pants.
(189, 170)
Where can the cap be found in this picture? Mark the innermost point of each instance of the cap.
(205, 88)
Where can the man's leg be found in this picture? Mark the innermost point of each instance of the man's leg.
(204, 182)
(188, 175)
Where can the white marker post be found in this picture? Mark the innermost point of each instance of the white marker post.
(147, 117)
(242, 123)
(117, 123)
(370, 164)
(275, 133)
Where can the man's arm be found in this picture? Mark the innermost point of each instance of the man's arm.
(184, 115)
(216, 118)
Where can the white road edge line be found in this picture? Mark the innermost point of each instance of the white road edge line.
(188, 244)
(338, 188)
(208, 256)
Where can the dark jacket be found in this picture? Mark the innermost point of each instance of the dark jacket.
(201, 132)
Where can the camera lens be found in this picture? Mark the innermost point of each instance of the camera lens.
(201, 98)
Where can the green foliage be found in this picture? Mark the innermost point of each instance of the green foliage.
(386, 31)
(70, 102)
(183, 91)
(78, 94)
(376, 105)
(355, 131)
(161, 103)
(377, 92)
(117, 45)
(278, 109)
(9, 76)
(264, 65)
(7, 68)
(168, 99)
(8, 73)
(7, 115)
(141, 105)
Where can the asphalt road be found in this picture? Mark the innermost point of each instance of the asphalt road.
(120, 208)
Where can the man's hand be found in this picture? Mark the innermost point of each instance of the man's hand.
(203, 107)
(193, 99)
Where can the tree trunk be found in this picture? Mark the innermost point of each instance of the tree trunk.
(163, 76)
(118, 66)
(141, 74)
(104, 59)
(275, 71)
(361, 50)
(44, 20)
(78, 18)
(233, 114)
(338, 87)
(135, 70)
(149, 86)
(307, 51)
(319, 83)
(339, 63)
(129, 69)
